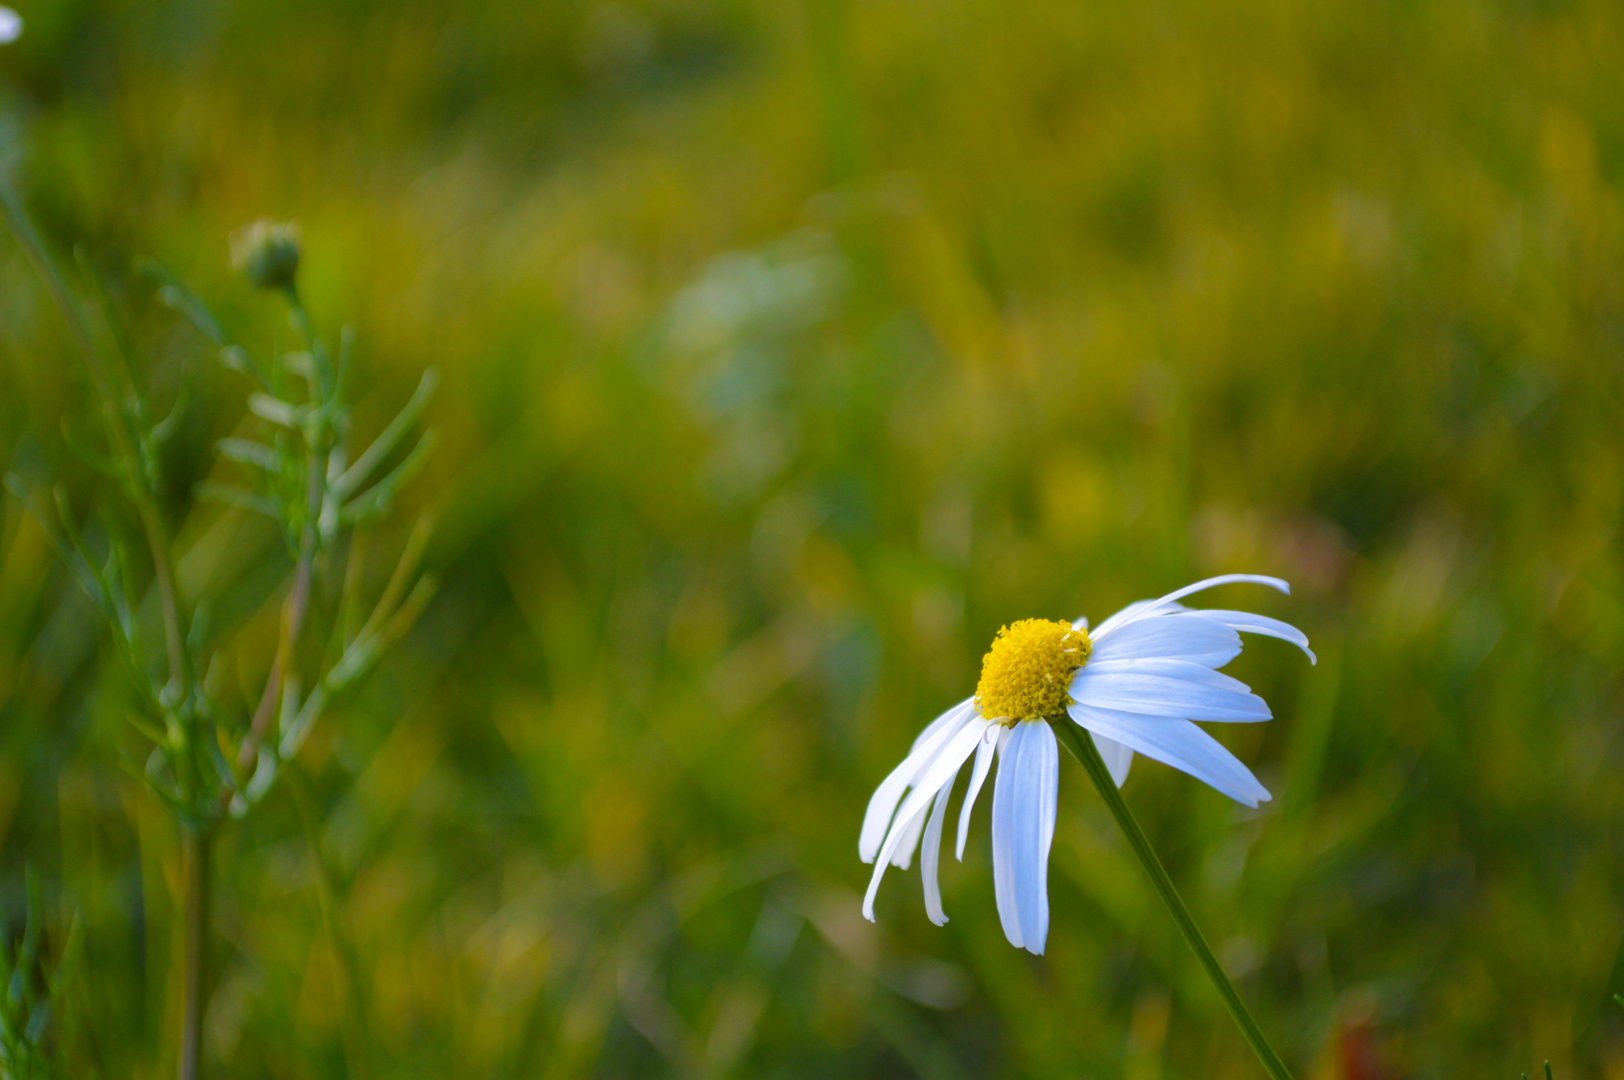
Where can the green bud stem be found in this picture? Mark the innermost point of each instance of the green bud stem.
(293, 615)
(194, 1001)
(1082, 747)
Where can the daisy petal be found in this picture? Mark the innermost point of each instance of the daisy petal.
(1117, 757)
(1177, 635)
(978, 776)
(1187, 670)
(902, 857)
(1163, 695)
(1258, 624)
(884, 801)
(930, 855)
(899, 831)
(942, 768)
(1142, 609)
(1180, 744)
(1223, 579)
(1003, 846)
(1023, 813)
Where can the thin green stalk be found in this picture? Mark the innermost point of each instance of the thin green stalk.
(194, 1001)
(1083, 749)
(293, 616)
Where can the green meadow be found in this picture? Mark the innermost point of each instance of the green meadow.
(786, 350)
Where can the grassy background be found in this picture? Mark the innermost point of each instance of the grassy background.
(789, 349)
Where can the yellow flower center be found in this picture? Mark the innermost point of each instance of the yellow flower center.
(1028, 670)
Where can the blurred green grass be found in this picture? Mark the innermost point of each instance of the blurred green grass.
(789, 350)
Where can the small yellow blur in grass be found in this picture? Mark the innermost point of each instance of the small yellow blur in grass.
(1026, 673)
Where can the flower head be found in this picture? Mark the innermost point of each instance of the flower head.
(267, 253)
(1136, 684)
(11, 26)
(1025, 674)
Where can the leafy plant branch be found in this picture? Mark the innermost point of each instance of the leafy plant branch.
(207, 763)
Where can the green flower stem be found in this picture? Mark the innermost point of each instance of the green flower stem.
(1083, 749)
(195, 997)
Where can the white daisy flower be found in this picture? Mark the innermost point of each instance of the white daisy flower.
(11, 26)
(1135, 683)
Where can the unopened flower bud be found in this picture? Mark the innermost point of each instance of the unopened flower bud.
(267, 253)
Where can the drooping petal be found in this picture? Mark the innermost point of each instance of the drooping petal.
(1003, 846)
(884, 801)
(1166, 695)
(1023, 813)
(1178, 743)
(942, 768)
(902, 856)
(1180, 635)
(930, 854)
(978, 776)
(1223, 579)
(1143, 609)
(1117, 757)
(1249, 623)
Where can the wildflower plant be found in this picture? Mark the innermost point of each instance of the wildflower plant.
(207, 762)
(1134, 685)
